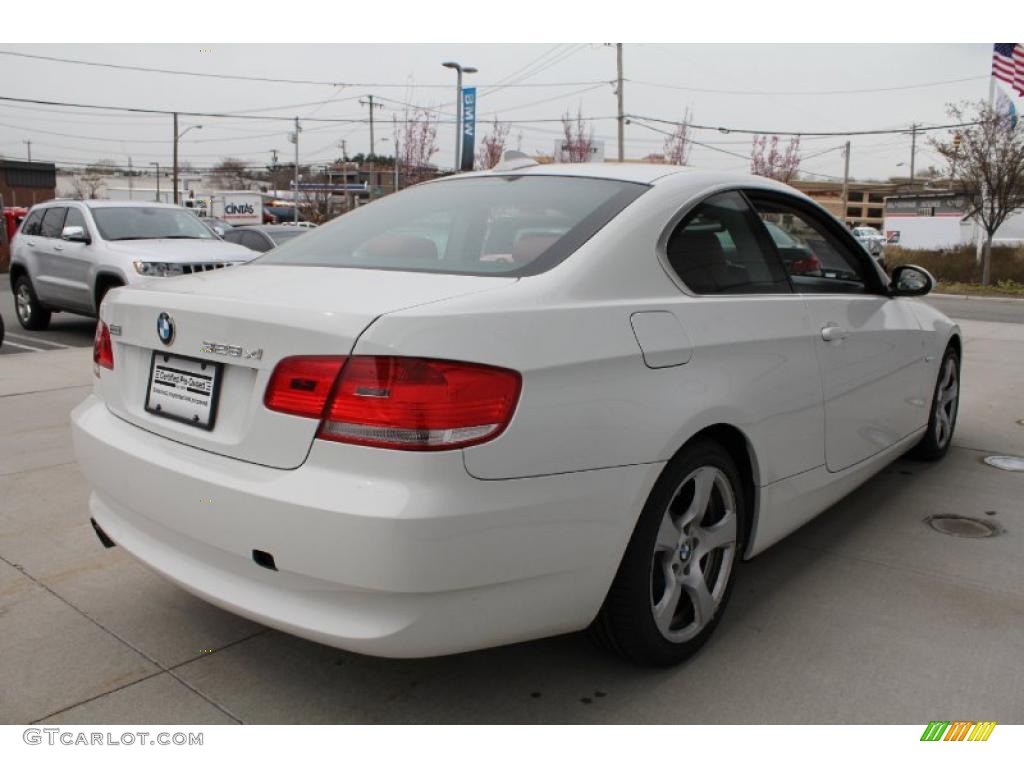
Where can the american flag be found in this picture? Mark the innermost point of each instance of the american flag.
(1008, 65)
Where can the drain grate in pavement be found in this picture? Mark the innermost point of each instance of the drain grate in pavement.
(964, 527)
(1009, 463)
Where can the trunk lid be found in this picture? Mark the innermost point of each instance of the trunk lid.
(247, 319)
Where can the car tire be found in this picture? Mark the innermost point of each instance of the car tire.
(676, 575)
(944, 410)
(32, 315)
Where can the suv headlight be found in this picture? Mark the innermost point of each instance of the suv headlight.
(158, 268)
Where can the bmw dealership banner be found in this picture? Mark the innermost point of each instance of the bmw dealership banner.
(468, 128)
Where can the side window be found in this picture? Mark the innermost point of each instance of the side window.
(75, 219)
(718, 249)
(816, 260)
(53, 222)
(33, 224)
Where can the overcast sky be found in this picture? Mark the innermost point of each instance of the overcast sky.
(760, 87)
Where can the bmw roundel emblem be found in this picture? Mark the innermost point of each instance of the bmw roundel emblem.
(165, 328)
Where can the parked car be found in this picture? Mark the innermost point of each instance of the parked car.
(416, 431)
(873, 242)
(69, 253)
(263, 237)
(278, 214)
(219, 227)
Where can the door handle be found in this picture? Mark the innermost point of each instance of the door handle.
(833, 333)
(58, 247)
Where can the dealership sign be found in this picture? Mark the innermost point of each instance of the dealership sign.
(468, 128)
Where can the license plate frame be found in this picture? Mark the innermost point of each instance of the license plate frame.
(162, 403)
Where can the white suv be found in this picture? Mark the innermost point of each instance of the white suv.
(69, 253)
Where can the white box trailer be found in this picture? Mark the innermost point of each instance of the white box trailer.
(236, 207)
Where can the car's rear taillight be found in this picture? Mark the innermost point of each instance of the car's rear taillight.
(415, 404)
(102, 349)
(301, 385)
(405, 403)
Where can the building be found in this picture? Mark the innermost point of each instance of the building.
(865, 201)
(25, 184)
(934, 220)
(22, 185)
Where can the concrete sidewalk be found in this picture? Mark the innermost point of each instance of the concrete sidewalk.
(864, 616)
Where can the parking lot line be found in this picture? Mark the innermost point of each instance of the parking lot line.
(20, 337)
(23, 346)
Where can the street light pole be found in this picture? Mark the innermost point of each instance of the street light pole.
(177, 138)
(459, 70)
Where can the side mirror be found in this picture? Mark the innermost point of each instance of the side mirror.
(911, 280)
(75, 235)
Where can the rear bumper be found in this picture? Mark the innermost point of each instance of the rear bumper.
(381, 552)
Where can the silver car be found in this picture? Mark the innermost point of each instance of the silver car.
(873, 242)
(69, 253)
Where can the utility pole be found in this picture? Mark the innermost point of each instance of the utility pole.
(846, 179)
(295, 192)
(29, 145)
(157, 181)
(174, 175)
(373, 153)
(394, 123)
(618, 92)
(913, 151)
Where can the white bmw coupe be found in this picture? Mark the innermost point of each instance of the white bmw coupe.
(511, 404)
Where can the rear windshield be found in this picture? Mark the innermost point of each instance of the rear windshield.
(496, 225)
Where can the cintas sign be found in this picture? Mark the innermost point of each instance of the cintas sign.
(238, 207)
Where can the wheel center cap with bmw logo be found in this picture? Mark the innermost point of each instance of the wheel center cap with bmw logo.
(165, 328)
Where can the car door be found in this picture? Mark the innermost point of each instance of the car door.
(752, 350)
(52, 278)
(870, 346)
(76, 261)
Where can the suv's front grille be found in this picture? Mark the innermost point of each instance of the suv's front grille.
(188, 269)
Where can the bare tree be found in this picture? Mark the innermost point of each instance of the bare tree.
(678, 145)
(86, 186)
(416, 134)
(492, 145)
(579, 138)
(231, 173)
(766, 159)
(988, 164)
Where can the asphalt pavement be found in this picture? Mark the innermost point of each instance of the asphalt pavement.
(865, 615)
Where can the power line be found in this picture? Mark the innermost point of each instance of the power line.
(258, 79)
(848, 92)
(759, 132)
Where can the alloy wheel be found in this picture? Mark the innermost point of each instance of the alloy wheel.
(693, 554)
(23, 301)
(946, 402)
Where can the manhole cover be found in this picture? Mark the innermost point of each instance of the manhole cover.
(1009, 463)
(964, 527)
